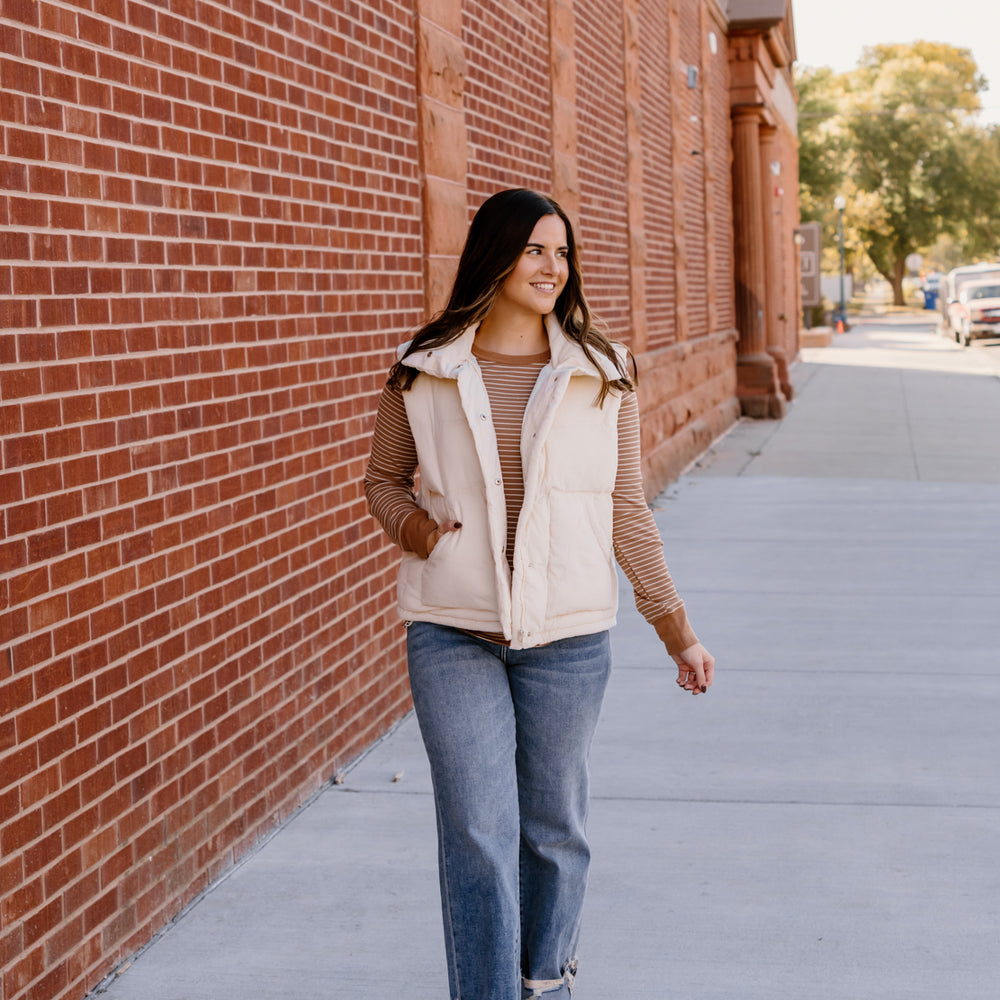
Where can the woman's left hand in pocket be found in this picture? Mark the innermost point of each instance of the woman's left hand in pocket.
(439, 532)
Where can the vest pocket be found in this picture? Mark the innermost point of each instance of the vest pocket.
(581, 573)
(459, 573)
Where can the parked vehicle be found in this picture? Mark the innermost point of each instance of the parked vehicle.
(979, 305)
(951, 286)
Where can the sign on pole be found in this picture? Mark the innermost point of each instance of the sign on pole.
(809, 256)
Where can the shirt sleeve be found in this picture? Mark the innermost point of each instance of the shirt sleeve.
(637, 543)
(389, 478)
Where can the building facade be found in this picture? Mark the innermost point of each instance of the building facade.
(217, 221)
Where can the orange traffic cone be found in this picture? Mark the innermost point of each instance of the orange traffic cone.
(840, 326)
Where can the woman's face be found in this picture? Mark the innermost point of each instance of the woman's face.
(542, 270)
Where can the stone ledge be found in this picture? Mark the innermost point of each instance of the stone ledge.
(818, 336)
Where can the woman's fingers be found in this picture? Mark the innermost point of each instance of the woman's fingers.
(442, 529)
(695, 669)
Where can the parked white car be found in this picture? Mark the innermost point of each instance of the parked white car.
(979, 309)
(951, 288)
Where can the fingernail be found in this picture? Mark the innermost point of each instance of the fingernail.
(458, 524)
(703, 689)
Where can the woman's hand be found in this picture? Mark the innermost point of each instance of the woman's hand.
(695, 669)
(439, 532)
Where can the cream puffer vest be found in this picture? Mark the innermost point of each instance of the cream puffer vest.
(564, 581)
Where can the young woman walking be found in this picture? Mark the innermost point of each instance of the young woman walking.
(524, 424)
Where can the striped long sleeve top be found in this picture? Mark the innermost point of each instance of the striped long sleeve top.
(389, 487)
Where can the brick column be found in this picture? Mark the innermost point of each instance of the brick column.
(562, 43)
(633, 142)
(443, 144)
(757, 385)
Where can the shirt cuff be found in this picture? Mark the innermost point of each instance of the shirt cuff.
(415, 533)
(674, 631)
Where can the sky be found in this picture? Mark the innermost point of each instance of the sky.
(834, 34)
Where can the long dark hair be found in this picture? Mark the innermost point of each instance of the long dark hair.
(497, 237)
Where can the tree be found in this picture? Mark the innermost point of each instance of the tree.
(981, 231)
(908, 125)
(822, 140)
(897, 137)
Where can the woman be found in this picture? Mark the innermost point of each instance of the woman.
(524, 424)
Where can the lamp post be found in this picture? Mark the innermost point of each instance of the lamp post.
(840, 203)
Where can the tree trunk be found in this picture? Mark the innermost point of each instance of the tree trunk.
(896, 280)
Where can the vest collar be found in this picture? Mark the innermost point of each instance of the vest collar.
(567, 355)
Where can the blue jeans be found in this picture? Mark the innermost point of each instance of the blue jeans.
(508, 733)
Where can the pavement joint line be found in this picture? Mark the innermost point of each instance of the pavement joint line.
(979, 592)
(692, 800)
(909, 426)
(822, 803)
(826, 671)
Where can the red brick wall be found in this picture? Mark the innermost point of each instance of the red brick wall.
(508, 107)
(689, 132)
(719, 155)
(212, 239)
(657, 179)
(212, 242)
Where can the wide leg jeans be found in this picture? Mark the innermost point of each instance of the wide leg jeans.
(508, 735)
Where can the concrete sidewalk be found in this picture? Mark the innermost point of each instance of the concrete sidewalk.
(822, 826)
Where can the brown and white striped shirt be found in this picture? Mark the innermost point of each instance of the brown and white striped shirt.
(509, 380)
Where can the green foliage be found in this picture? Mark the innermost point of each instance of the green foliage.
(822, 141)
(897, 138)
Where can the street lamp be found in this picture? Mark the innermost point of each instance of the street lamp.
(840, 203)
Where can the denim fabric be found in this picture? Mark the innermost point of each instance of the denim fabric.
(508, 733)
